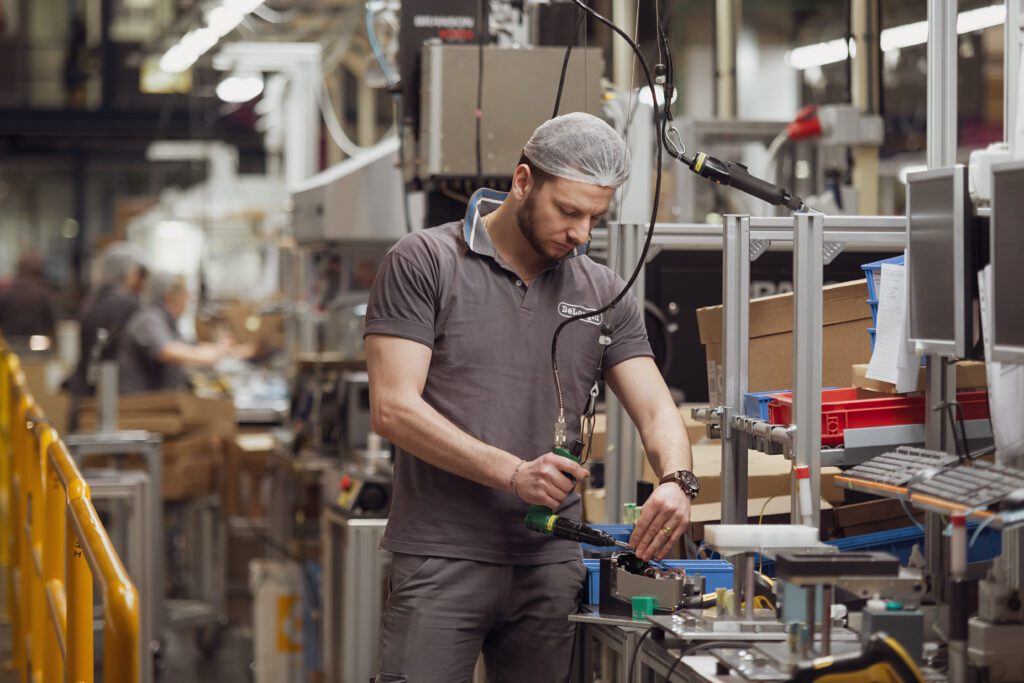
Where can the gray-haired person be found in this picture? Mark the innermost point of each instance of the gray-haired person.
(153, 355)
(458, 345)
(118, 275)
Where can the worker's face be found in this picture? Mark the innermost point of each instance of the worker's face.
(557, 216)
(177, 302)
(134, 280)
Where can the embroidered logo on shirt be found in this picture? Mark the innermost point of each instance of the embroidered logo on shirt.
(572, 310)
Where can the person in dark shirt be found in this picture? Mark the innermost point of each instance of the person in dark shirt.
(118, 278)
(26, 306)
(152, 355)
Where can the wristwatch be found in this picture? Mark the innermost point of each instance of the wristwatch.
(687, 481)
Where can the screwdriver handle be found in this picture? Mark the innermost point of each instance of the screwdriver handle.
(540, 518)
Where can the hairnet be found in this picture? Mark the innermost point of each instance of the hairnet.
(579, 147)
(115, 263)
(162, 283)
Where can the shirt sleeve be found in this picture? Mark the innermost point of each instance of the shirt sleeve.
(403, 300)
(629, 333)
(151, 336)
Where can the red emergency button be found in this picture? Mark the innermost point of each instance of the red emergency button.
(346, 483)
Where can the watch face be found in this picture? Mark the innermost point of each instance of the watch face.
(689, 480)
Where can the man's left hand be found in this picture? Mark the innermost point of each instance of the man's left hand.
(664, 519)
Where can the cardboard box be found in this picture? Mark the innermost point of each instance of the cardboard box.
(767, 475)
(696, 431)
(970, 374)
(167, 412)
(193, 447)
(245, 323)
(846, 319)
(870, 517)
(187, 479)
(245, 486)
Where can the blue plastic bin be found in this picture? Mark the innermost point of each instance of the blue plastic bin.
(873, 272)
(901, 542)
(717, 573)
(620, 532)
(871, 334)
(755, 404)
(873, 305)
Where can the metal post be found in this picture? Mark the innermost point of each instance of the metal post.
(942, 55)
(735, 348)
(826, 619)
(624, 448)
(866, 75)
(808, 230)
(726, 27)
(1011, 71)
(941, 142)
(107, 395)
(624, 15)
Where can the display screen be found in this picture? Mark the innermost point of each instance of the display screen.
(931, 228)
(1008, 258)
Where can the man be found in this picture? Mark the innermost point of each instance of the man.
(458, 339)
(152, 355)
(26, 306)
(118, 276)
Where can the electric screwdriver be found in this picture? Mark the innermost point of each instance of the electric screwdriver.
(542, 519)
(736, 175)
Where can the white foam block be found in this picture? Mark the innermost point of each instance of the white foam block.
(753, 537)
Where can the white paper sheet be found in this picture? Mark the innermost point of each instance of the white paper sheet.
(1005, 392)
(892, 361)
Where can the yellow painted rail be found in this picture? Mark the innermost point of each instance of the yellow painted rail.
(52, 548)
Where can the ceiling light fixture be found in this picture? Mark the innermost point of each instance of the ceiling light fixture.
(240, 87)
(895, 38)
(221, 19)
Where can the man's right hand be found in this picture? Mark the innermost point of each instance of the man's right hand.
(544, 482)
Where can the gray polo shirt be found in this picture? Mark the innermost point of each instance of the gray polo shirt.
(490, 374)
(138, 365)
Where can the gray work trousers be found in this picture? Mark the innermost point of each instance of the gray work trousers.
(443, 612)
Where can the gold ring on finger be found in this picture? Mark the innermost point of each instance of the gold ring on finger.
(667, 531)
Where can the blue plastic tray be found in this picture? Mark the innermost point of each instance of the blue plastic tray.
(901, 542)
(873, 272)
(717, 573)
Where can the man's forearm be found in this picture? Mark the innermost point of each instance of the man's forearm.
(415, 426)
(666, 443)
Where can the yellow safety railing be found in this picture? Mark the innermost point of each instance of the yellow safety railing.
(53, 546)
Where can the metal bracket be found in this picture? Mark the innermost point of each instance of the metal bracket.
(758, 247)
(830, 250)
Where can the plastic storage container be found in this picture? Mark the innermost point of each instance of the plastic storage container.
(842, 410)
(873, 272)
(900, 543)
(717, 573)
(620, 532)
(755, 404)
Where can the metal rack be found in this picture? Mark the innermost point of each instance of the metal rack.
(815, 240)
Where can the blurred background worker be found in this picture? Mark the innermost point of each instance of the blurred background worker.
(118, 278)
(152, 355)
(26, 306)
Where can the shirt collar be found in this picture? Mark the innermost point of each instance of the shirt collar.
(483, 202)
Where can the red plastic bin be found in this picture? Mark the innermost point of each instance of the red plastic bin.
(842, 410)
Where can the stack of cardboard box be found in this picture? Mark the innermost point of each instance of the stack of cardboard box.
(194, 431)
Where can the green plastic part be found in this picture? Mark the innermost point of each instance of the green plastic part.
(893, 606)
(643, 606)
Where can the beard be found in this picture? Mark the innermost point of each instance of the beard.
(526, 219)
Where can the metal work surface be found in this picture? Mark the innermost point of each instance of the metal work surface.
(691, 625)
